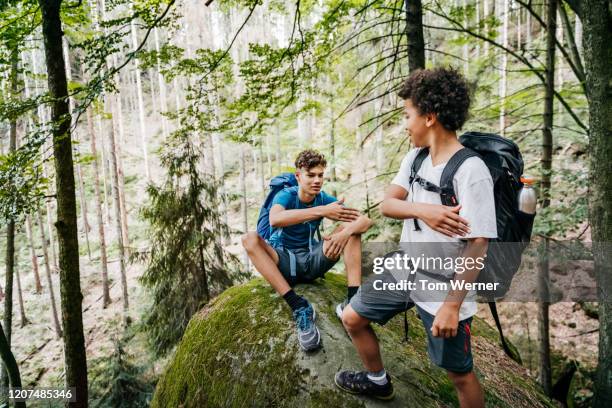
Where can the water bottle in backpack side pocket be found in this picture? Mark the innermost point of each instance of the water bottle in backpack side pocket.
(528, 198)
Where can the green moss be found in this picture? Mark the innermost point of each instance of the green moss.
(242, 351)
(230, 354)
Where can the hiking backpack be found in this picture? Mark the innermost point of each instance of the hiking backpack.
(505, 163)
(277, 184)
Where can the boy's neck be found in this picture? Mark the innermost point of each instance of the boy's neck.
(443, 145)
(304, 197)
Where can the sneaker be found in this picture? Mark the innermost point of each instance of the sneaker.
(340, 308)
(357, 382)
(309, 337)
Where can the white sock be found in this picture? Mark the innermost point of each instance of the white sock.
(378, 377)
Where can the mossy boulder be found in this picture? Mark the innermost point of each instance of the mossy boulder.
(241, 351)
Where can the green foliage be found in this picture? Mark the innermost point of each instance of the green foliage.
(21, 182)
(186, 264)
(119, 382)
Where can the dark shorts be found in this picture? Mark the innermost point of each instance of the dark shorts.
(308, 266)
(453, 354)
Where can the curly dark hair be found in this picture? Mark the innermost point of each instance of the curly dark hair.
(310, 158)
(443, 91)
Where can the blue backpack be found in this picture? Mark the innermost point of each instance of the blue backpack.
(277, 184)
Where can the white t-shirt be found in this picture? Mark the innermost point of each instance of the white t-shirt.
(473, 187)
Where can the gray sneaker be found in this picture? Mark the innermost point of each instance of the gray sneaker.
(307, 331)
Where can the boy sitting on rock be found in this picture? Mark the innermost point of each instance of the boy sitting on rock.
(292, 254)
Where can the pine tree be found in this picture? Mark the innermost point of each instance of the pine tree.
(186, 266)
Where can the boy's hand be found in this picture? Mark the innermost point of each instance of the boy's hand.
(338, 212)
(335, 244)
(446, 322)
(445, 220)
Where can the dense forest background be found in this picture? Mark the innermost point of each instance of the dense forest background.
(137, 139)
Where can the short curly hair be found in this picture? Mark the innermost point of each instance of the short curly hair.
(308, 159)
(443, 91)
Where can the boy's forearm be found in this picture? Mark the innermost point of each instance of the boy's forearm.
(476, 248)
(401, 209)
(287, 218)
(359, 226)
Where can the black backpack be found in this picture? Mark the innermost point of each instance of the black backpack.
(504, 161)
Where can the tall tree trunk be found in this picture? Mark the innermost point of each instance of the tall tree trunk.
(117, 115)
(163, 103)
(243, 200)
(105, 174)
(54, 315)
(222, 189)
(22, 314)
(106, 300)
(70, 287)
(35, 271)
(414, 34)
(82, 198)
(141, 113)
(10, 228)
(596, 18)
(112, 149)
(486, 12)
(43, 118)
(30, 238)
(262, 179)
(528, 33)
(503, 81)
(465, 48)
(332, 149)
(11, 365)
(269, 155)
(547, 141)
(278, 156)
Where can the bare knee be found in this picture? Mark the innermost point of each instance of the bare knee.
(352, 321)
(250, 241)
(461, 380)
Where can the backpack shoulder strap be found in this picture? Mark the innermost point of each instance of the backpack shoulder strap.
(447, 194)
(418, 161)
(505, 346)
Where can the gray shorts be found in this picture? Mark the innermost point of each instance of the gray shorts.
(453, 354)
(307, 266)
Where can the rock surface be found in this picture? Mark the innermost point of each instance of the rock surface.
(241, 351)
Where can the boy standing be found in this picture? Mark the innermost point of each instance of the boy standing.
(292, 254)
(436, 105)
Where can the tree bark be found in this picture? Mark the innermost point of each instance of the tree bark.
(54, 316)
(414, 34)
(106, 300)
(547, 141)
(278, 156)
(43, 116)
(243, 200)
(22, 314)
(11, 365)
(141, 113)
(10, 228)
(117, 115)
(163, 103)
(105, 174)
(503, 81)
(70, 288)
(35, 270)
(82, 198)
(117, 205)
(596, 18)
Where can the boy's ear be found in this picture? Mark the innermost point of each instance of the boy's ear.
(431, 119)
